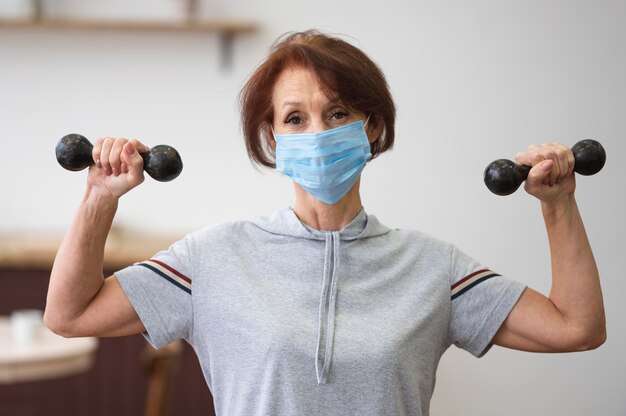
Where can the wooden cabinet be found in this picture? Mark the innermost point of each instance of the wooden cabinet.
(117, 384)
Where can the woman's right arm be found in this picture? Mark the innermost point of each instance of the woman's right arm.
(81, 302)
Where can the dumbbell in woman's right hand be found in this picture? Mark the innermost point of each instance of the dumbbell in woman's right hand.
(74, 152)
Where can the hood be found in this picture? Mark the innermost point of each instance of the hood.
(285, 222)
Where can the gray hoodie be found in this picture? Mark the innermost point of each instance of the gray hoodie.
(289, 320)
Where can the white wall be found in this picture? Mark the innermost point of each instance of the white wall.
(473, 81)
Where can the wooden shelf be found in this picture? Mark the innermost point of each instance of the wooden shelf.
(217, 26)
(225, 29)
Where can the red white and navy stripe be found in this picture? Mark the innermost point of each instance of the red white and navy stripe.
(168, 273)
(470, 281)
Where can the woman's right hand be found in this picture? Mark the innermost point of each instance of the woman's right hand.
(118, 166)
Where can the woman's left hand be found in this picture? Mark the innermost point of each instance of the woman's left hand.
(551, 178)
(572, 318)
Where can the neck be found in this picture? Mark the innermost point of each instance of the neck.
(321, 216)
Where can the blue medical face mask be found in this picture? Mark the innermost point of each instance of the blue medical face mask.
(325, 164)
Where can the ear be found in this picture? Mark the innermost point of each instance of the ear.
(374, 128)
(269, 136)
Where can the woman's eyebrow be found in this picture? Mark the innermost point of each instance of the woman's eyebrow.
(289, 103)
(336, 101)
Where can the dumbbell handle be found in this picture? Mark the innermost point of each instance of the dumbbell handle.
(503, 176)
(162, 162)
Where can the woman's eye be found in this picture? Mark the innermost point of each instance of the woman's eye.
(294, 120)
(338, 115)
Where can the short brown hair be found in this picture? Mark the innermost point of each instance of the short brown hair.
(341, 69)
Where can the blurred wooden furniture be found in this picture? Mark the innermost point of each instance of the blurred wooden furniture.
(116, 384)
(48, 356)
(162, 367)
(36, 251)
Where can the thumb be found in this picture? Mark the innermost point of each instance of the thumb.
(132, 159)
(539, 172)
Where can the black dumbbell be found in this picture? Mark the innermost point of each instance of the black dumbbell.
(503, 176)
(162, 162)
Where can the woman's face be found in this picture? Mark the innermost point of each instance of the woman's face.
(301, 106)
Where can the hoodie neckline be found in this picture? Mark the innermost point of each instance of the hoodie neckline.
(285, 222)
(349, 232)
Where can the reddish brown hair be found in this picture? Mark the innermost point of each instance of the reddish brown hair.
(342, 70)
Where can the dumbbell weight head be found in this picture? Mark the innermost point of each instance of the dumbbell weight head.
(162, 163)
(74, 152)
(590, 157)
(503, 176)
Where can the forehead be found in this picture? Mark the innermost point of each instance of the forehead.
(297, 83)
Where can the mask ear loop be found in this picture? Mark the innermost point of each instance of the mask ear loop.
(367, 120)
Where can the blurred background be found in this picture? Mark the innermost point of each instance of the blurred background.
(473, 81)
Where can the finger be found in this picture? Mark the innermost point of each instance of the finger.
(105, 150)
(538, 175)
(131, 157)
(530, 157)
(568, 159)
(141, 148)
(114, 157)
(133, 161)
(138, 147)
(526, 158)
(95, 152)
(549, 153)
(558, 153)
(561, 154)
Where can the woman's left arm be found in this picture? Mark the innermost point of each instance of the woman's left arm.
(572, 317)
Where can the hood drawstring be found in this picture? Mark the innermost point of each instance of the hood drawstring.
(286, 223)
(327, 307)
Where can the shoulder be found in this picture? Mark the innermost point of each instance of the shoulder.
(228, 230)
(422, 241)
(431, 255)
(446, 255)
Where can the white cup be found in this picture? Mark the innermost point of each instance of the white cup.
(26, 325)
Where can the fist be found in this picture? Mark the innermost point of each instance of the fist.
(552, 174)
(118, 165)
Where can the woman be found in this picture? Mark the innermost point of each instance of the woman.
(320, 309)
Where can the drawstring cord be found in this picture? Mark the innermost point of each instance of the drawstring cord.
(328, 299)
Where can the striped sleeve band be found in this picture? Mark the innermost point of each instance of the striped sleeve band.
(470, 281)
(168, 273)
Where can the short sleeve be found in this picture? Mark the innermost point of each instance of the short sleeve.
(481, 300)
(160, 291)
